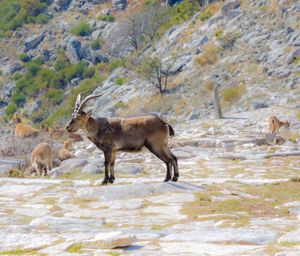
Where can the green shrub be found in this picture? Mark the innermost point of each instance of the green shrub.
(96, 45)
(120, 80)
(185, 10)
(115, 63)
(15, 13)
(88, 72)
(75, 70)
(19, 99)
(108, 18)
(11, 109)
(54, 96)
(205, 15)
(17, 76)
(82, 29)
(42, 18)
(24, 57)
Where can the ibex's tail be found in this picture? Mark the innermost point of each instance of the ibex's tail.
(171, 130)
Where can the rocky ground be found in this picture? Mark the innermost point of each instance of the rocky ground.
(232, 198)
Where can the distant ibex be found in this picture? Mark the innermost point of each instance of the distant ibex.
(65, 153)
(129, 135)
(41, 158)
(23, 130)
(275, 124)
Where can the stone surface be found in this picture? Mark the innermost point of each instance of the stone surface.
(110, 240)
(34, 41)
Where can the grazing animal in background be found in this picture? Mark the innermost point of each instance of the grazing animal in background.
(130, 135)
(42, 158)
(275, 124)
(65, 153)
(59, 133)
(24, 130)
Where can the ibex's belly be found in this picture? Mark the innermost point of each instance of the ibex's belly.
(131, 145)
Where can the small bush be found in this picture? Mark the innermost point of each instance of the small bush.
(120, 80)
(24, 57)
(19, 99)
(96, 45)
(82, 29)
(209, 55)
(11, 109)
(107, 18)
(115, 64)
(185, 10)
(88, 72)
(234, 93)
(210, 11)
(209, 85)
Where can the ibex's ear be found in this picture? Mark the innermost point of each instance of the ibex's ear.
(89, 113)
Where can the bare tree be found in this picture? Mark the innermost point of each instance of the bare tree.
(157, 72)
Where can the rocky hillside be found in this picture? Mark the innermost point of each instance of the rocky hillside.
(249, 48)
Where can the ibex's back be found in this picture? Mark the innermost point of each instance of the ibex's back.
(130, 134)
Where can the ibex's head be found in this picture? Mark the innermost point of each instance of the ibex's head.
(16, 118)
(79, 117)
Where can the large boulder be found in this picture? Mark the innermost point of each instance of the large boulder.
(293, 56)
(230, 6)
(110, 240)
(119, 4)
(33, 41)
(61, 5)
(74, 49)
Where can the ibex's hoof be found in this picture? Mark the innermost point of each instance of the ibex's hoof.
(174, 179)
(167, 179)
(111, 180)
(104, 182)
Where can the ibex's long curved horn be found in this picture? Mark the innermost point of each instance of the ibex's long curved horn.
(88, 98)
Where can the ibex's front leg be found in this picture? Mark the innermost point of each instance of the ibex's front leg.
(107, 162)
(112, 168)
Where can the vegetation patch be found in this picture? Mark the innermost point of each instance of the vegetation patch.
(75, 248)
(234, 93)
(20, 252)
(262, 201)
(82, 29)
(209, 54)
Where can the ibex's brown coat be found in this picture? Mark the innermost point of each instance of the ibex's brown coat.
(65, 153)
(23, 130)
(41, 158)
(275, 124)
(131, 134)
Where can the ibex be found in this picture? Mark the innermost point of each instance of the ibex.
(41, 158)
(23, 130)
(130, 135)
(275, 124)
(65, 153)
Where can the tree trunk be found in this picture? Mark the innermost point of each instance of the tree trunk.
(217, 105)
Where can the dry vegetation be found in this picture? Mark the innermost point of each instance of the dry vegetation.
(209, 55)
(244, 203)
(234, 93)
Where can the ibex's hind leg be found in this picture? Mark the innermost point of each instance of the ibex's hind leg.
(162, 155)
(174, 164)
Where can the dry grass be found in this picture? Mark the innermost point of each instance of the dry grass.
(11, 146)
(263, 201)
(209, 55)
(234, 93)
(209, 85)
